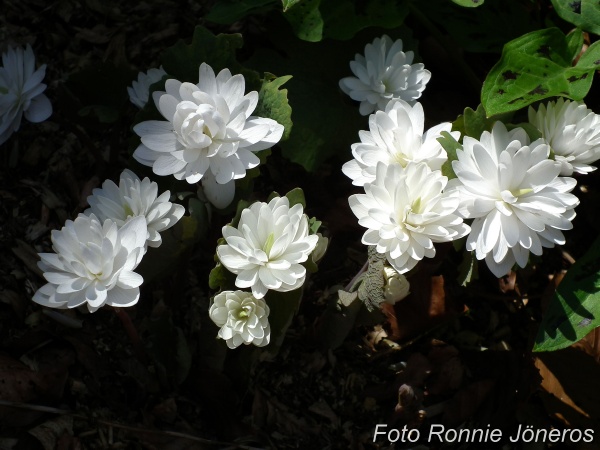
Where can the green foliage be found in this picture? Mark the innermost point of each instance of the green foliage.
(469, 3)
(306, 20)
(296, 196)
(450, 145)
(585, 14)
(474, 122)
(182, 61)
(468, 270)
(288, 4)
(574, 310)
(283, 306)
(229, 11)
(536, 66)
(273, 102)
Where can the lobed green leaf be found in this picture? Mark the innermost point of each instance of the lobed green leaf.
(583, 13)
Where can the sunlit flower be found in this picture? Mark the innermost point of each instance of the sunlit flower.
(21, 90)
(513, 191)
(406, 211)
(243, 318)
(396, 285)
(573, 132)
(132, 198)
(140, 89)
(93, 263)
(384, 72)
(396, 137)
(209, 128)
(268, 246)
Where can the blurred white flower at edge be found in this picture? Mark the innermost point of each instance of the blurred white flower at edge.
(396, 136)
(573, 132)
(132, 198)
(139, 90)
(21, 91)
(396, 287)
(209, 134)
(93, 264)
(267, 248)
(242, 317)
(515, 194)
(384, 73)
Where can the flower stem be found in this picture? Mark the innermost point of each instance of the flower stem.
(134, 336)
(357, 276)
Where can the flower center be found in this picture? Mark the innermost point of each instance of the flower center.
(269, 244)
(400, 158)
(244, 312)
(128, 211)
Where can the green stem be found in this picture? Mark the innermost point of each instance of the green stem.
(472, 80)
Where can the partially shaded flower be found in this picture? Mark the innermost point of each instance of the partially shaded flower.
(21, 90)
(573, 132)
(140, 89)
(134, 198)
(243, 318)
(406, 211)
(209, 128)
(513, 191)
(384, 73)
(396, 285)
(93, 264)
(396, 136)
(268, 246)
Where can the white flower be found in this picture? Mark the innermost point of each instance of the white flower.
(243, 318)
(513, 191)
(406, 211)
(93, 263)
(21, 90)
(267, 247)
(396, 137)
(133, 198)
(385, 72)
(140, 89)
(396, 286)
(209, 129)
(573, 132)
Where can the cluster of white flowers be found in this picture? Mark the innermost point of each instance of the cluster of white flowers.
(209, 135)
(95, 254)
(515, 191)
(21, 91)
(266, 252)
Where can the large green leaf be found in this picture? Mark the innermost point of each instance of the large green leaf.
(574, 310)
(469, 3)
(583, 13)
(273, 102)
(536, 66)
(229, 11)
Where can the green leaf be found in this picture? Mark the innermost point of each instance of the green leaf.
(450, 145)
(469, 3)
(230, 11)
(182, 61)
(273, 102)
(582, 13)
(296, 196)
(283, 306)
(305, 18)
(287, 4)
(474, 122)
(536, 66)
(574, 310)
(468, 269)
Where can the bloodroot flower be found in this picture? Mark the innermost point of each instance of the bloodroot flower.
(132, 198)
(406, 211)
(209, 129)
(93, 263)
(385, 72)
(513, 191)
(268, 246)
(21, 90)
(396, 137)
(140, 89)
(243, 318)
(573, 132)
